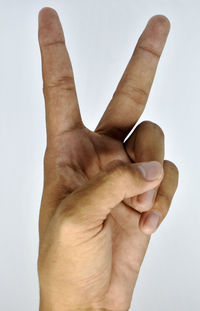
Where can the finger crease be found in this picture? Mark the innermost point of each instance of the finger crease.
(54, 43)
(149, 50)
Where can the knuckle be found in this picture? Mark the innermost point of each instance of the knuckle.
(172, 167)
(149, 125)
(118, 169)
(65, 82)
(45, 43)
(129, 90)
(150, 49)
(122, 170)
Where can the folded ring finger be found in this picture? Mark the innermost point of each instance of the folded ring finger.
(145, 144)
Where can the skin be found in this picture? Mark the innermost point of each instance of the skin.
(97, 210)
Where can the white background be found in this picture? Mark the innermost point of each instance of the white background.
(100, 36)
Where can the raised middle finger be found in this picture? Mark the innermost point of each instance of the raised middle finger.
(132, 92)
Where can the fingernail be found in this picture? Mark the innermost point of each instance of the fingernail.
(151, 222)
(151, 170)
(147, 197)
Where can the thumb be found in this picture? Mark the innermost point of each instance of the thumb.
(94, 201)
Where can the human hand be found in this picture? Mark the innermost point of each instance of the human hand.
(73, 159)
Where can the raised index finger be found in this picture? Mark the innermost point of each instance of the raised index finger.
(62, 111)
(131, 95)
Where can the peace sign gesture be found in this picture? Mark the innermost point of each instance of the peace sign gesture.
(75, 155)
